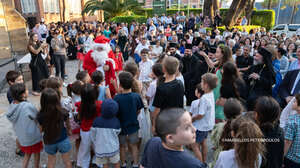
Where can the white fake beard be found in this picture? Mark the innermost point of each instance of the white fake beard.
(99, 57)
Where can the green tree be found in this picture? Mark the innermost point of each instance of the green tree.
(113, 8)
(284, 4)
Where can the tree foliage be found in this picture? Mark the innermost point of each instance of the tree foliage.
(113, 8)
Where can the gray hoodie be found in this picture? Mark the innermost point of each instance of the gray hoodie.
(22, 116)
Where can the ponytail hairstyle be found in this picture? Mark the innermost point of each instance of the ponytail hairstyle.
(89, 95)
(247, 153)
(232, 109)
(51, 114)
(268, 112)
(74, 88)
(55, 83)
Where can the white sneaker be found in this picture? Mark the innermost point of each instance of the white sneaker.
(64, 84)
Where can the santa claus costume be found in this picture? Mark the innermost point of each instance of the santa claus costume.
(97, 58)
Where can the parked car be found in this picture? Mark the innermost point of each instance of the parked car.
(288, 29)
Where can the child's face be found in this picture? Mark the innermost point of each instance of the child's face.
(17, 80)
(295, 105)
(197, 94)
(117, 50)
(144, 57)
(185, 132)
(25, 95)
(203, 84)
(87, 79)
(239, 52)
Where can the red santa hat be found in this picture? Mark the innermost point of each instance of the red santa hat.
(101, 42)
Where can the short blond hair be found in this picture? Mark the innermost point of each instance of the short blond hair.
(211, 80)
(171, 65)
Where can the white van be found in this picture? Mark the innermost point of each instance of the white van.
(288, 29)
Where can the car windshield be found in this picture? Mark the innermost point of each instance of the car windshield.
(280, 27)
(294, 27)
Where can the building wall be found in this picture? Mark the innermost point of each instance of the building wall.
(68, 10)
(13, 34)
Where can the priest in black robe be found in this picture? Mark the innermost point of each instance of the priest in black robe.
(190, 63)
(260, 77)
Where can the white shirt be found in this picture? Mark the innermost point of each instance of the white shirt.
(87, 43)
(140, 46)
(163, 18)
(152, 28)
(157, 50)
(286, 113)
(295, 83)
(43, 29)
(169, 20)
(178, 27)
(226, 159)
(145, 70)
(151, 91)
(204, 106)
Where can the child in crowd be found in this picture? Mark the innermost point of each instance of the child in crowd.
(88, 109)
(132, 68)
(83, 76)
(112, 41)
(238, 52)
(130, 105)
(81, 53)
(171, 92)
(43, 84)
(175, 130)
(13, 77)
(244, 154)
(267, 112)
(51, 119)
(203, 110)
(104, 133)
(119, 60)
(221, 131)
(178, 75)
(145, 69)
(22, 116)
(73, 91)
(104, 93)
(157, 75)
(292, 137)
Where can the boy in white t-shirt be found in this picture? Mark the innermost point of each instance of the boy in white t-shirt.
(203, 113)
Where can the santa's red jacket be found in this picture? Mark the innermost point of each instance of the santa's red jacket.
(90, 65)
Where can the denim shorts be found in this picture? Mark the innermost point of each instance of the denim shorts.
(63, 147)
(133, 138)
(201, 135)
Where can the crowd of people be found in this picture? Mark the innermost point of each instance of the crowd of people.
(240, 88)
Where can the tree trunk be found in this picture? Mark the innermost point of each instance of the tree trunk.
(208, 8)
(216, 5)
(269, 4)
(248, 10)
(228, 21)
(64, 11)
(293, 12)
(240, 10)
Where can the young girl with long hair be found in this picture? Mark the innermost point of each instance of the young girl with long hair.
(51, 119)
(221, 131)
(97, 78)
(22, 116)
(88, 109)
(267, 112)
(37, 64)
(223, 55)
(247, 154)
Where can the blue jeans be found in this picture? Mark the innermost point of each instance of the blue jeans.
(63, 147)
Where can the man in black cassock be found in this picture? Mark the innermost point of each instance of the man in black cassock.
(259, 77)
(173, 47)
(189, 72)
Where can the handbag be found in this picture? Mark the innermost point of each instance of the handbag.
(33, 65)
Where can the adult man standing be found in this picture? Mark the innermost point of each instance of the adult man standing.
(260, 77)
(43, 30)
(37, 31)
(244, 61)
(189, 71)
(139, 48)
(173, 48)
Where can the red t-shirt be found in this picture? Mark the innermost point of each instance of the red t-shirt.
(87, 124)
